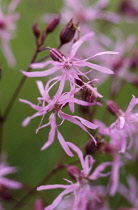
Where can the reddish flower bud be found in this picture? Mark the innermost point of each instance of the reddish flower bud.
(91, 148)
(135, 82)
(36, 30)
(2, 24)
(56, 55)
(5, 193)
(128, 8)
(68, 32)
(53, 24)
(134, 60)
(73, 171)
(114, 109)
(88, 95)
(117, 64)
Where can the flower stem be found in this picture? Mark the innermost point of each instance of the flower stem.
(54, 170)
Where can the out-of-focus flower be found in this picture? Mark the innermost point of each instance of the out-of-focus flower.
(117, 147)
(7, 30)
(5, 170)
(83, 194)
(130, 193)
(55, 105)
(90, 12)
(126, 120)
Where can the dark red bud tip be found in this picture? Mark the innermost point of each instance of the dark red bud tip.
(114, 109)
(68, 32)
(56, 55)
(73, 171)
(53, 24)
(134, 60)
(128, 8)
(5, 193)
(36, 30)
(2, 24)
(91, 148)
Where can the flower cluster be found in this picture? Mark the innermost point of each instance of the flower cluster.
(92, 54)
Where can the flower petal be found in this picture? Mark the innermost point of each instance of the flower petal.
(41, 73)
(77, 44)
(64, 144)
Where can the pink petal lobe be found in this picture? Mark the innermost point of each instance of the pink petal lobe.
(64, 144)
(40, 65)
(41, 73)
(77, 44)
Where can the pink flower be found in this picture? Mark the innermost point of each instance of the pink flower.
(69, 66)
(55, 105)
(7, 29)
(127, 119)
(131, 193)
(5, 170)
(82, 191)
(90, 12)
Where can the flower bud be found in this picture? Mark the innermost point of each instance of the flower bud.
(73, 171)
(117, 64)
(114, 109)
(91, 148)
(134, 60)
(36, 30)
(88, 95)
(2, 24)
(56, 55)
(5, 193)
(53, 24)
(127, 8)
(135, 82)
(68, 32)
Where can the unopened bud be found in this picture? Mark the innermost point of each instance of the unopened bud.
(128, 8)
(88, 94)
(91, 148)
(36, 30)
(68, 32)
(53, 24)
(114, 109)
(56, 55)
(117, 64)
(73, 171)
(2, 24)
(134, 60)
(135, 82)
(5, 193)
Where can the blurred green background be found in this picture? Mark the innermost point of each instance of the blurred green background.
(22, 145)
